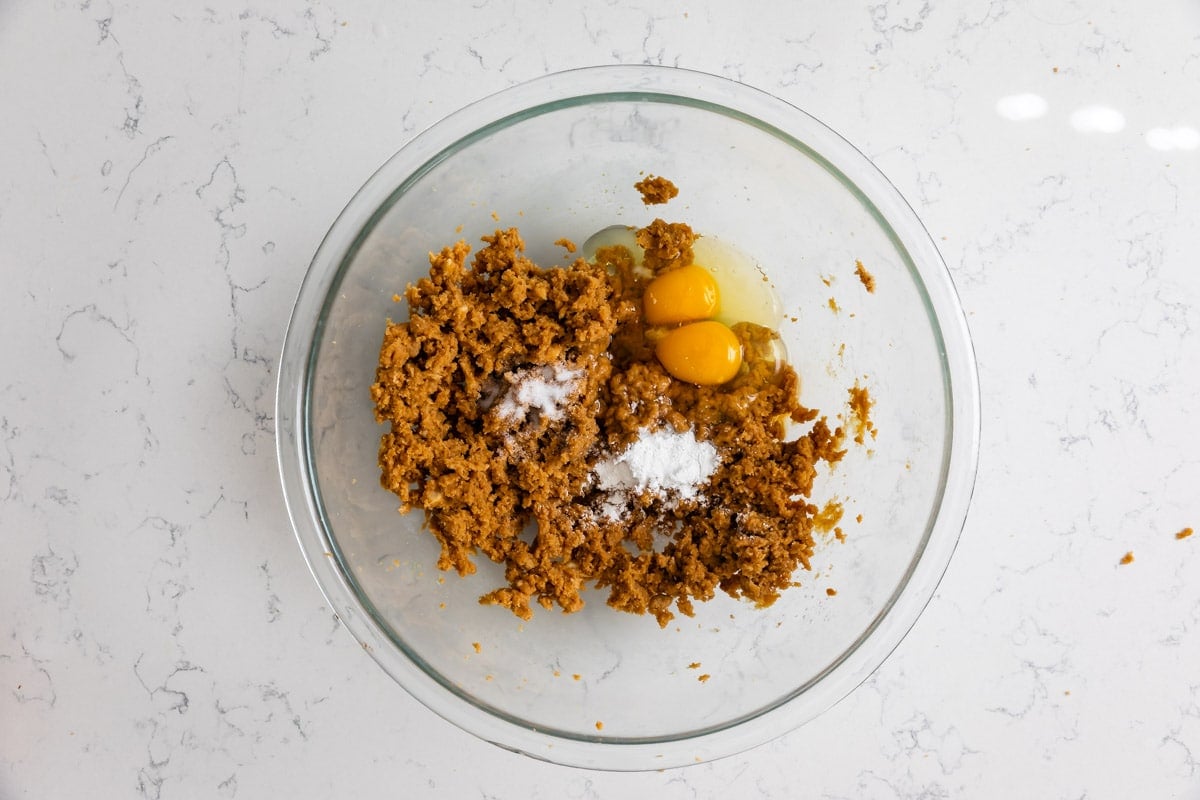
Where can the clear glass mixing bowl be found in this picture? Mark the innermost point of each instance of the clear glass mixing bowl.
(558, 157)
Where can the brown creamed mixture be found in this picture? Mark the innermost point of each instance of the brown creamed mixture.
(482, 480)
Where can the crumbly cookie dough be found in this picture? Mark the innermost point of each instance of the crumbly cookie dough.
(480, 480)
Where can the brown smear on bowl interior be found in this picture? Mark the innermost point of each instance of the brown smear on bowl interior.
(867, 279)
(860, 413)
(487, 468)
(828, 517)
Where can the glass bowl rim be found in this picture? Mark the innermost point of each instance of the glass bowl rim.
(524, 101)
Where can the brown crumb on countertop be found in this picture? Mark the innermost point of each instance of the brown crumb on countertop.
(656, 190)
(1183, 534)
(860, 411)
(1127, 558)
(478, 647)
(833, 306)
(566, 243)
(831, 592)
(868, 280)
(694, 665)
(495, 216)
(858, 519)
(703, 678)
(599, 725)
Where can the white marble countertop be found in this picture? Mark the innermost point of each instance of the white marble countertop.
(167, 171)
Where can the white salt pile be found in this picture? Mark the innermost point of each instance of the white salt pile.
(545, 390)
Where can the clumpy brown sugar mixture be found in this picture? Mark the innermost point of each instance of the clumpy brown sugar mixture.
(512, 392)
(656, 190)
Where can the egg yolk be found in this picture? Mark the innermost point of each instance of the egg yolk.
(682, 295)
(704, 353)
